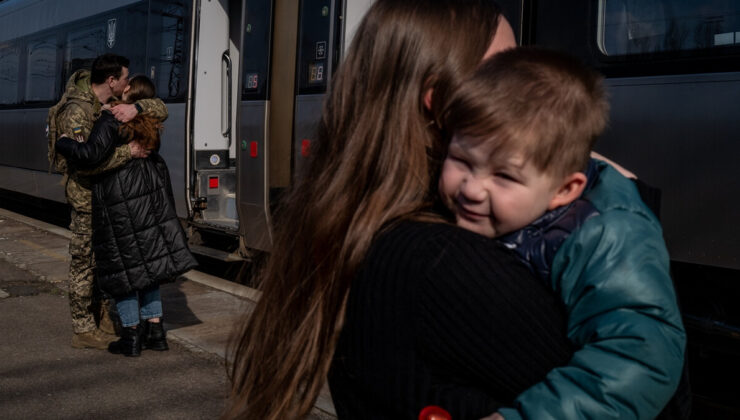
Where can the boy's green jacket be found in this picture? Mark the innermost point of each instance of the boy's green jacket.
(623, 319)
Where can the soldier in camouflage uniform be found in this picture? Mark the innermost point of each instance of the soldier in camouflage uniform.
(85, 94)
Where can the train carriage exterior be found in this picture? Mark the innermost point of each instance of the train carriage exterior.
(244, 79)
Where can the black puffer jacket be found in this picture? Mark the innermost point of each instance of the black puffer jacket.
(137, 238)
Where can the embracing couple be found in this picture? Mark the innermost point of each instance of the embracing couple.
(104, 135)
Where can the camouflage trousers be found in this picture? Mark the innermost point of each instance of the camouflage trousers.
(84, 303)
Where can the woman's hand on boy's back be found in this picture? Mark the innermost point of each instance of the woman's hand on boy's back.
(494, 416)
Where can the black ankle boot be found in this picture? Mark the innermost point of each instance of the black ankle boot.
(129, 344)
(153, 336)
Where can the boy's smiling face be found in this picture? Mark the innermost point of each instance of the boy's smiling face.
(493, 194)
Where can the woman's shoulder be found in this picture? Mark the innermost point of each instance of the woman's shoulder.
(427, 245)
(430, 235)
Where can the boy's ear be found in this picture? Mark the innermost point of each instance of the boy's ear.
(428, 99)
(569, 190)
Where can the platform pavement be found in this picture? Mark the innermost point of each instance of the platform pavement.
(200, 310)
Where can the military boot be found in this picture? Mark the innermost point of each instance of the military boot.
(106, 323)
(153, 336)
(94, 339)
(129, 344)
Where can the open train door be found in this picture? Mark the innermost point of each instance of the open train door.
(211, 181)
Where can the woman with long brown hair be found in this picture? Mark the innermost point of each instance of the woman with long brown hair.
(365, 283)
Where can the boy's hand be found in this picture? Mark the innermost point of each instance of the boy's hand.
(124, 112)
(494, 416)
(137, 151)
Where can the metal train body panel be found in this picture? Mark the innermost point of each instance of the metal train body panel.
(31, 182)
(172, 150)
(680, 133)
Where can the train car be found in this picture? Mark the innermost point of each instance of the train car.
(244, 80)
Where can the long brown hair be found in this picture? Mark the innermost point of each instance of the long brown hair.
(378, 151)
(145, 129)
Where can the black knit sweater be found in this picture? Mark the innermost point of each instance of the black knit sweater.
(442, 316)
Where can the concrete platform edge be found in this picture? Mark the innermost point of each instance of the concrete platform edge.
(193, 275)
(36, 223)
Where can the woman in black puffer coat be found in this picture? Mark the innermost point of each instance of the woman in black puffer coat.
(138, 240)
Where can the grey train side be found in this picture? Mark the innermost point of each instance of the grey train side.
(237, 132)
(42, 43)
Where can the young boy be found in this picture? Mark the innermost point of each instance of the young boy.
(518, 169)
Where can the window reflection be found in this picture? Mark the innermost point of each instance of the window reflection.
(167, 56)
(41, 70)
(82, 47)
(9, 59)
(649, 26)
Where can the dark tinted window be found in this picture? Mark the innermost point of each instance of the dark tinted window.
(9, 62)
(650, 26)
(83, 45)
(131, 38)
(41, 69)
(314, 46)
(168, 43)
(256, 49)
(512, 9)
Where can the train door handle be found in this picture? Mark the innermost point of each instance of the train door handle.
(226, 74)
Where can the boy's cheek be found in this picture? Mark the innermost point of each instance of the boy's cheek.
(442, 190)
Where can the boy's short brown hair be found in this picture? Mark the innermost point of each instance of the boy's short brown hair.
(542, 103)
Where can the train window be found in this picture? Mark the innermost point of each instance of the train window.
(83, 45)
(131, 37)
(256, 49)
(168, 61)
(41, 71)
(9, 66)
(649, 26)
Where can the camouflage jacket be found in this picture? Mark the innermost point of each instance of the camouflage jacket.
(76, 118)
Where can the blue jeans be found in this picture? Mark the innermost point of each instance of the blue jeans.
(144, 304)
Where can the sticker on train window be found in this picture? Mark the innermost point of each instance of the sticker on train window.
(111, 39)
(628, 27)
(321, 50)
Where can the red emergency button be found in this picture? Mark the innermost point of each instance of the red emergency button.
(213, 182)
(253, 149)
(305, 147)
(432, 412)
